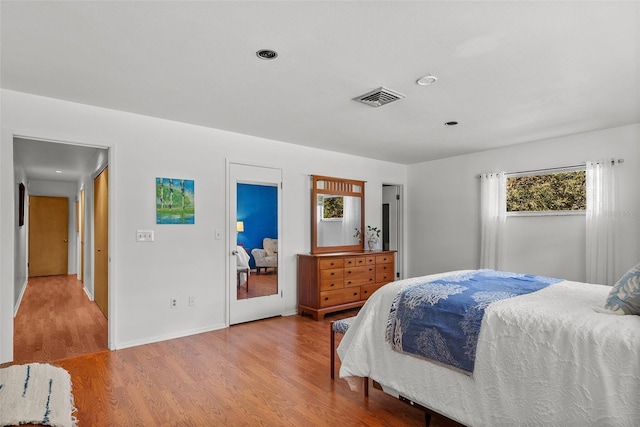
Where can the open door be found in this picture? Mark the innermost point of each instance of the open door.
(101, 248)
(253, 257)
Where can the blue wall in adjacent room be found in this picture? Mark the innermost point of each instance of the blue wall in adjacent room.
(258, 208)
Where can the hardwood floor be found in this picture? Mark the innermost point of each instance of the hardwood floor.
(273, 372)
(56, 320)
(265, 283)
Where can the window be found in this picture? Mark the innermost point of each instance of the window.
(562, 192)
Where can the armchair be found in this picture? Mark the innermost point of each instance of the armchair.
(267, 256)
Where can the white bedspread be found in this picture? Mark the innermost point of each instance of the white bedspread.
(549, 358)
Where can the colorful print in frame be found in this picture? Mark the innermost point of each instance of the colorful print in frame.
(175, 201)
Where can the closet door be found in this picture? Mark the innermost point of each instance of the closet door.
(48, 234)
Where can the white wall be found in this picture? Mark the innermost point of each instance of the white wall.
(184, 259)
(443, 208)
(20, 242)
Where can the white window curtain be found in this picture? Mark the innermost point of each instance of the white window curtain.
(493, 214)
(350, 219)
(600, 188)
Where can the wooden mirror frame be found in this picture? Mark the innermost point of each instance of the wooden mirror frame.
(334, 186)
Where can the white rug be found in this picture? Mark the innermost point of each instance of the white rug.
(36, 393)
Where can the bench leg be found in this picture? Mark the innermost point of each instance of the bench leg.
(333, 351)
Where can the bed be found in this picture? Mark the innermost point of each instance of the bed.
(552, 357)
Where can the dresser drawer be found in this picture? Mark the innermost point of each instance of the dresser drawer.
(332, 274)
(384, 259)
(384, 272)
(356, 276)
(367, 290)
(340, 296)
(331, 284)
(355, 261)
(331, 263)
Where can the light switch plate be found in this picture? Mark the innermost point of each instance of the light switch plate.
(144, 236)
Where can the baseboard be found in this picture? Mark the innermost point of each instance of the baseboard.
(17, 306)
(86, 291)
(166, 337)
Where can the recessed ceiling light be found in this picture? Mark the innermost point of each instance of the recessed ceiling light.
(453, 123)
(58, 171)
(267, 54)
(427, 80)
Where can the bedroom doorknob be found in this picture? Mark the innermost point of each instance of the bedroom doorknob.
(234, 252)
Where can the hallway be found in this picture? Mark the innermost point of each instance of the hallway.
(56, 320)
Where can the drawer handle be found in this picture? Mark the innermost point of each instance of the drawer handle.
(333, 274)
(349, 282)
(326, 298)
(333, 284)
(366, 292)
(355, 293)
(371, 279)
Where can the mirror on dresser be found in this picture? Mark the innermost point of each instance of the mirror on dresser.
(337, 211)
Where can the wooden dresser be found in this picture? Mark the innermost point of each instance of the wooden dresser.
(338, 281)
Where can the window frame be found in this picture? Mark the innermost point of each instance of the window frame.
(540, 172)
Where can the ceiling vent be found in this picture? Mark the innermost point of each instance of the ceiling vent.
(379, 97)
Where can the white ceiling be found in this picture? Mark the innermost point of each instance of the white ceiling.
(508, 72)
(42, 159)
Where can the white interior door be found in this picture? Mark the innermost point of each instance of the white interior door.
(253, 294)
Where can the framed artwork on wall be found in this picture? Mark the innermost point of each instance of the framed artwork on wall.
(175, 201)
(20, 204)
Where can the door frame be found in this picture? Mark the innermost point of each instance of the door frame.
(400, 267)
(229, 274)
(8, 231)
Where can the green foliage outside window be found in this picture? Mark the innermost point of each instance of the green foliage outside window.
(562, 191)
(333, 207)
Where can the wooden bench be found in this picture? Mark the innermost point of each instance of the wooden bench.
(341, 327)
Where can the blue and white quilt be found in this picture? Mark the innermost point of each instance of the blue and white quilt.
(440, 319)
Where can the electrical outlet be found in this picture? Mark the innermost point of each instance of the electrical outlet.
(174, 302)
(192, 301)
(144, 235)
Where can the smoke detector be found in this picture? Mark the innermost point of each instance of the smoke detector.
(379, 97)
(427, 80)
